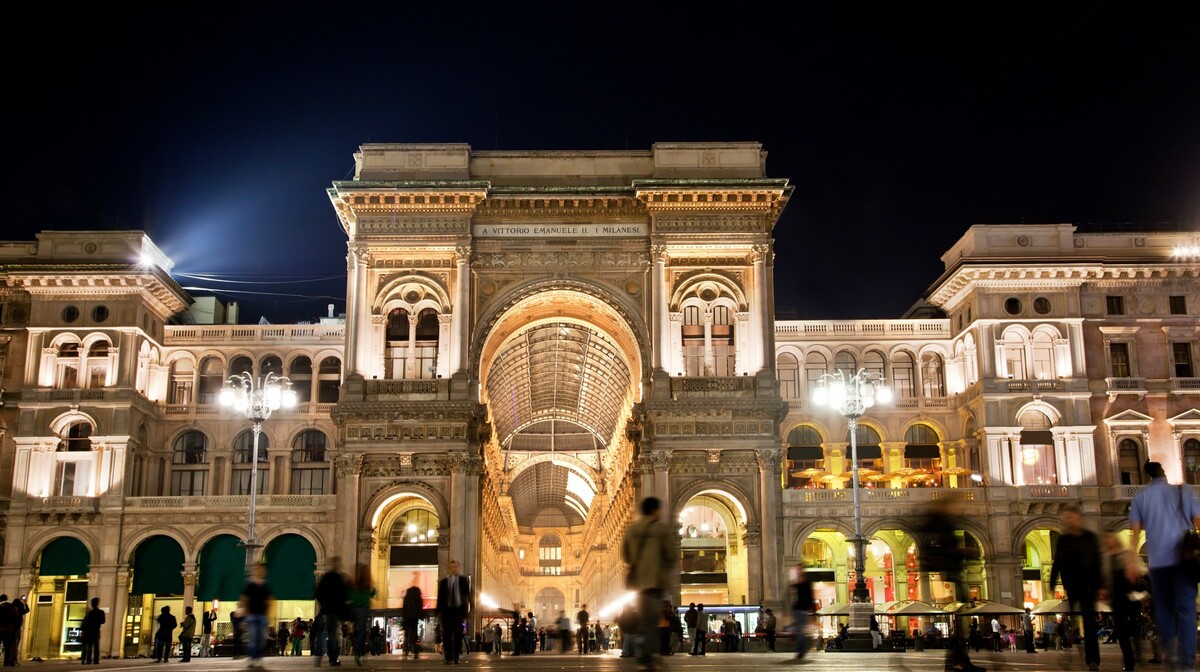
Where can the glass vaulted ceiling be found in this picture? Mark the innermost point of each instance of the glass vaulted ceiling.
(557, 386)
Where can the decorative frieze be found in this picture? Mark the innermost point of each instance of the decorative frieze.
(560, 260)
(748, 223)
(453, 431)
(445, 225)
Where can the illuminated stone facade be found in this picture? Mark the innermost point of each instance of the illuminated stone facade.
(533, 342)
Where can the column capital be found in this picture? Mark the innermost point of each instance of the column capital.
(189, 578)
(658, 253)
(752, 536)
(349, 464)
(361, 253)
(761, 252)
(377, 320)
(769, 459)
(462, 254)
(445, 318)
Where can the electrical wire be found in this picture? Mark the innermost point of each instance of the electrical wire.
(242, 291)
(214, 278)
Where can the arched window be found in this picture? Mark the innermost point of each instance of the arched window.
(1129, 464)
(310, 463)
(921, 450)
(805, 458)
(724, 352)
(550, 555)
(189, 471)
(1037, 449)
(1014, 356)
(844, 362)
(815, 366)
(329, 380)
(902, 375)
(270, 364)
(426, 344)
(933, 379)
(97, 364)
(241, 365)
(212, 377)
(300, 372)
(397, 325)
(243, 447)
(427, 325)
(78, 438)
(870, 453)
(414, 527)
(182, 378)
(1043, 356)
(873, 362)
(788, 369)
(68, 365)
(1191, 461)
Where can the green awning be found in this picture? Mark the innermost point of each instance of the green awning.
(222, 569)
(65, 556)
(158, 567)
(291, 562)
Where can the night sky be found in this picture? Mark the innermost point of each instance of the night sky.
(217, 127)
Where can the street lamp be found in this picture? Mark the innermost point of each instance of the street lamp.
(257, 399)
(851, 395)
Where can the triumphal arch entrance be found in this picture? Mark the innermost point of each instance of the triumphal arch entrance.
(537, 340)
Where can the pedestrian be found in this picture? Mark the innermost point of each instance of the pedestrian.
(411, 611)
(1166, 513)
(453, 605)
(360, 597)
(89, 634)
(581, 619)
(1027, 630)
(664, 629)
(997, 635)
(332, 594)
(1127, 612)
(298, 629)
(803, 606)
(700, 646)
(20, 609)
(564, 631)
(284, 640)
(942, 552)
(163, 641)
(1077, 561)
(768, 625)
(187, 632)
(206, 630)
(649, 549)
(689, 620)
(255, 603)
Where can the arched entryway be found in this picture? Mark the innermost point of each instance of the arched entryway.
(58, 599)
(713, 564)
(291, 573)
(157, 582)
(407, 550)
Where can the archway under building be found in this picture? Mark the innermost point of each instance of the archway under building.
(157, 581)
(408, 532)
(560, 370)
(57, 599)
(712, 557)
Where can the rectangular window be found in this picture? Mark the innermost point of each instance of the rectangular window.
(1116, 305)
(241, 481)
(65, 483)
(1118, 357)
(902, 382)
(1179, 305)
(181, 392)
(1037, 463)
(188, 483)
(1181, 354)
(308, 481)
(1014, 359)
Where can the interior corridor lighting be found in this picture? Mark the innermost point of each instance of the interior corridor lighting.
(851, 396)
(256, 398)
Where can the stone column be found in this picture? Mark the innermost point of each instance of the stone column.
(770, 465)
(354, 284)
(1075, 336)
(755, 576)
(673, 359)
(741, 338)
(761, 318)
(189, 585)
(362, 313)
(410, 360)
(709, 358)
(445, 343)
(987, 350)
(33, 356)
(461, 343)
(464, 513)
(348, 470)
(112, 635)
(661, 307)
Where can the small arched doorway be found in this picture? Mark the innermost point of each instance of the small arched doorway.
(58, 599)
(713, 567)
(407, 550)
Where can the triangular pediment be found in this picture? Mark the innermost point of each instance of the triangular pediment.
(1130, 418)
(1189, 418)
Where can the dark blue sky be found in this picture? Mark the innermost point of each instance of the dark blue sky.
(217, 127)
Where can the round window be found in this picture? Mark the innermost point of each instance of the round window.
(1041, 305)
(1012, 306)
(99, 314)
(70, 314)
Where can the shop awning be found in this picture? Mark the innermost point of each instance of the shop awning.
(65, 556)
(291, 562)
(222, 569)
(867, 452)
(915, 451)
(158, 567)
(805, 453)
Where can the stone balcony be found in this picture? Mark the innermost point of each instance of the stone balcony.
(180, 335)
(64, 505)
(714, 387)
(1119, 386)
(407, 390)
(891, 502)
(193, 411)
(785, 330)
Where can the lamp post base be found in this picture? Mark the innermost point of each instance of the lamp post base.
(859, 637)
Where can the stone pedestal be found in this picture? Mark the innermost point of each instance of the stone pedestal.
(859, 637)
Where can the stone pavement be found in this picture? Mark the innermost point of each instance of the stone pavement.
(931, 661)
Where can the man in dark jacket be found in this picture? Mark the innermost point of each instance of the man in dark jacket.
(453, 605)
(412, 611)
(942, 551)
(89, 633)
(8, 631)
(1077, 561)
(332, 593)
(164, 640)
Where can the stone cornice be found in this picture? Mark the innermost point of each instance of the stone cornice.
(163, 294)
(713, 195)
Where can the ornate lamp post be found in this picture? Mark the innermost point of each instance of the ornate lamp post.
(851, 396)
(257, 399)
